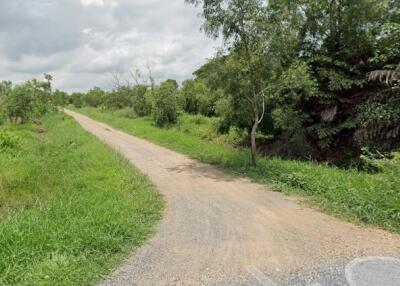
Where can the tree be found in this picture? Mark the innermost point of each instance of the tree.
(198, 98)
(29, 100)
(5, 90)
(173, 82)
(379, 116)
(294, 85)
(141, 100)
(19, 103)
(118, 98)
(41, 92)
(254, 37)
(60, 98)
(343, 41)
(76, 99)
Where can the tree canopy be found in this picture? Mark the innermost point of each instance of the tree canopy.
(315, 79)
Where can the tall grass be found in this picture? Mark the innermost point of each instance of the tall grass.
(70, 207)
(356, 196)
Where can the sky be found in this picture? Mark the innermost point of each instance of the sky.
(82, 43)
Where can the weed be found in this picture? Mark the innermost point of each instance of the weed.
(71, 208)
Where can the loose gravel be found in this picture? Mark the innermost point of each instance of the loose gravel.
(217, 225)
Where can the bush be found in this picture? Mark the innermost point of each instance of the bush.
(2, 113)
(198, 98)
(2, 116)
(128, 112)
(141, 100)
(76, 99)
(26, 101)
(237, 136)
(374, 161)
(8, 141)
(5, 89)
(165, 106)
(42, 97)
(118, 99)
(60, 98)
(95, 97)
(19, 104)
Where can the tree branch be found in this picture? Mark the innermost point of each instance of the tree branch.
(263, 112)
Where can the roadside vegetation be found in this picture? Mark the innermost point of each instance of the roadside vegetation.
(70, 207)
(302, 94)
(355, 195)
(311, 88)
(330, 95)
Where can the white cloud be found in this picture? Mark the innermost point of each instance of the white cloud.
(81, 42)
(92, 2)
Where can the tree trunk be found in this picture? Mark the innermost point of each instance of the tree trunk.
(253, 144)
(253, 136)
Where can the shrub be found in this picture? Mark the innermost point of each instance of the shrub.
(8, 141)
(76, 99)
(19, 104)
(165, 106)
(95, 97)
(198, 98)
(42, 96)
(127, 112)
(237, 136)
(26, 101)
(118, 98)
(141, 100)
(374, 161)
(2, 116)
(5, 89)
(60, 98)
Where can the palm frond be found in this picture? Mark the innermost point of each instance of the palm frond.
(387, 76)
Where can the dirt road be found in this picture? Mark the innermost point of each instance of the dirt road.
(223, 230)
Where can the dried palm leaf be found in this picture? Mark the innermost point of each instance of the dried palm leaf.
(387, 76)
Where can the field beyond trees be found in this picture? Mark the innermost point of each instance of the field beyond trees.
(70, 207)
(358, 196)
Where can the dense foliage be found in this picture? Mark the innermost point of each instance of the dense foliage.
(320, 93)
(165, 103)
(27, 101)
(352, 194)
(307, 79)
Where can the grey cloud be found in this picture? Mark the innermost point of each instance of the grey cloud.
(32, 28)
(82, 44)
(35, 64)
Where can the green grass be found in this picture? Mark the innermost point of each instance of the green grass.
(360, 197)
(70, 207)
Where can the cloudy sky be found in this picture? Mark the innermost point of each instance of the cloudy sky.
(82, 42)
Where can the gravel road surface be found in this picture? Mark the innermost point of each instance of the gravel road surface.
(219, 229)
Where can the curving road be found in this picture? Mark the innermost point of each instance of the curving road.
(223, 230)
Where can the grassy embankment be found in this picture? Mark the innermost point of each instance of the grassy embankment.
(350, 194)
(70, 207)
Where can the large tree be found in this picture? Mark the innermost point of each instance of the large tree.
(342, 42)
(258, 42)
(315, 62)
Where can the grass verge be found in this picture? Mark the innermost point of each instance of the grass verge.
(356, 196)
(70, 207)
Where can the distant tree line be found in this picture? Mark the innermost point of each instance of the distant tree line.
(29, 101)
